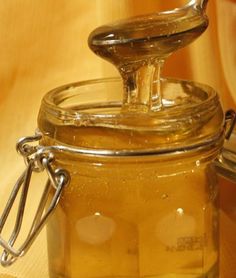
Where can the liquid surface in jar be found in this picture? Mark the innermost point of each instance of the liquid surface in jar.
(139, 46)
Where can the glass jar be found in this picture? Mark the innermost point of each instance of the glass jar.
(143, 196)
(142, 200)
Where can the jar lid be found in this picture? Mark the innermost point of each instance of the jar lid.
(89, 115)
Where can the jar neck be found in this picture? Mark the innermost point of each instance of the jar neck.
(71, 116)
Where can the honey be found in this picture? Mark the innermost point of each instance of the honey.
(136, 218)
(143, 197)
(139, 46)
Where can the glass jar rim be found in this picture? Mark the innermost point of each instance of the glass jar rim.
(52, 100)
(56, 105)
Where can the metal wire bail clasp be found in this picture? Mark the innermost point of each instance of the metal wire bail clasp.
(36, 160)
(230, 123)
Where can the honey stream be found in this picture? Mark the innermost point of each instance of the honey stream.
(139, 46)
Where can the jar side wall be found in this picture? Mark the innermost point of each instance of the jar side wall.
(142, 219)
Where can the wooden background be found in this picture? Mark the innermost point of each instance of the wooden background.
(43, 44)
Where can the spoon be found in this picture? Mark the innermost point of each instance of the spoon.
(138, 47)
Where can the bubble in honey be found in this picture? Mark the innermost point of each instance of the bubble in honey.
(164, 196)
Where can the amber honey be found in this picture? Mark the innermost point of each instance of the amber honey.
(138, 47)
(138, 217)
(143, 196)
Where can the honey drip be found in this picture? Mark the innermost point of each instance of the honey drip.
(139, 46)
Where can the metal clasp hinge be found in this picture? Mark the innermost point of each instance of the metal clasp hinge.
(230, 123)
(37, 160)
